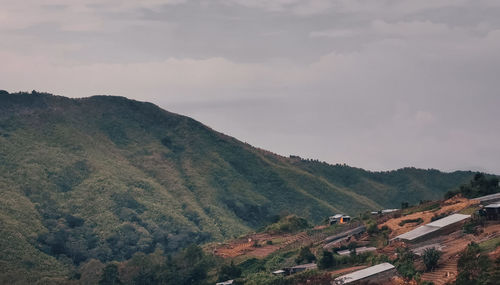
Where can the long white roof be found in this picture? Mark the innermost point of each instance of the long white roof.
(451, 219)
(363, 273)
(434, 226)
(488, 197)
(359, 250)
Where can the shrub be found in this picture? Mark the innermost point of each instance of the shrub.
(326, 260)
(431, 257)
(404, 222)
(305, 255)
(473, 267)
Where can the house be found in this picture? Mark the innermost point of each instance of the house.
(380, 273)
(439, 227)
(228, 282)
(339, 219)
(493, 211)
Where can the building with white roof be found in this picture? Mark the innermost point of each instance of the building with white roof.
(379, 273)
(488, 199)
(358, 250)
(439, 227)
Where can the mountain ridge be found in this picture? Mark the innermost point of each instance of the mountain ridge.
(105, 176)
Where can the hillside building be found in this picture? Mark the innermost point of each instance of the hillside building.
(488, 199)
(439, 227)
(380, 273)
(493, 211)
(339, 219)
(295, 269)
(358, 250)
(331, 241)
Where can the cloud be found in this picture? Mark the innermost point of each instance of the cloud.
(374, 84)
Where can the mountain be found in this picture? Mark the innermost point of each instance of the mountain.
(104, 177)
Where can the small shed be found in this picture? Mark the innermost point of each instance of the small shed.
(380, 273)
(339, 219)
(493, 211)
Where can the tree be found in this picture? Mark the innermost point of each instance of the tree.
(110, 275)
(306, 255)
(431, 257)
(326, 260)
(228, 272)
(404, 263)
(473, 267)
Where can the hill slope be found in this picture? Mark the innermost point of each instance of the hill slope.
(104, 177)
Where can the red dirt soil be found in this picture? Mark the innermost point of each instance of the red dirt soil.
(452, 205)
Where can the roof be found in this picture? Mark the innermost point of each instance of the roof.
(488, 197)
(281, 271)
(432, 227)
(228, 282)
(364, 273)
(418, 232)
(497, 205)
(346, 233)
(389, 211)
(306, 266)
(451, 219)
(358, 250)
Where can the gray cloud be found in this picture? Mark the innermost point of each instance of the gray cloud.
(375, 84)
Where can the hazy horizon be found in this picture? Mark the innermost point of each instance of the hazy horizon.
(375, 85)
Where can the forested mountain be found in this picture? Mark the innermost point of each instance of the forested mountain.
(104, 177)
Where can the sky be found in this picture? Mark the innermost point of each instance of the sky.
(375, 84)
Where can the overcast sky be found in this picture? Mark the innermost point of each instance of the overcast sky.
(374, 84)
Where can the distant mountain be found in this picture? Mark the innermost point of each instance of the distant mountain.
(104, 177)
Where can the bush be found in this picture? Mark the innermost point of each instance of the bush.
(431, 257)
(228, 272)
(326, 260)
(404, 222)
(305, 256)
(473, 267)
(404, 263)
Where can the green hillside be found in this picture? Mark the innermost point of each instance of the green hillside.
(104, 177)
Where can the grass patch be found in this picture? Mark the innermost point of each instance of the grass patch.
(490, 245)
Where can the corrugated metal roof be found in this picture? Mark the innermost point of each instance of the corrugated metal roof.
(418, 232)
(434, 226)
(306, 266)
(359, 250)
(497, 205)
(364, 273)
(451, 219)
(488, 197)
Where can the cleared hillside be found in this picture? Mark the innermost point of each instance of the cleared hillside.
(104, 177)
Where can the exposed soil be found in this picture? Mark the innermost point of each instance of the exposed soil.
(452, 205)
